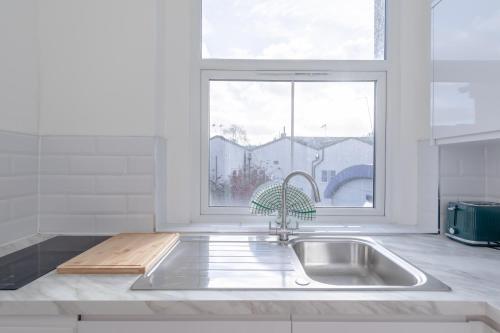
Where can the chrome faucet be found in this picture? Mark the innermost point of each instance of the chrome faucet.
(283, 231)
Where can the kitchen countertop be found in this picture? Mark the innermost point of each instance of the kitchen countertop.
(472, 273)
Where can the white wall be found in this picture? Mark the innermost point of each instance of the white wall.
(230, 158)
(98, 62)
(410, 119)
(97, 66)
(18, 66)
(265, 155)
(18, 119)
(177, 102)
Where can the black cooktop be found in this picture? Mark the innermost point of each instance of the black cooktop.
(24, 266)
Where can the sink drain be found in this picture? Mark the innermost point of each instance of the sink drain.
(302, 282)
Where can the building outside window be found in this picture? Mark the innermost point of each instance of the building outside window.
(324, 176)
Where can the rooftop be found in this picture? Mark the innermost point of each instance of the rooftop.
(311, 142)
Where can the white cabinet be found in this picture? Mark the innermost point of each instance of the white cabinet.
(37, 324)
(184, 326)
(480, 327)
(249, 326)
(466, 70)
(390, 327)
(35, 329)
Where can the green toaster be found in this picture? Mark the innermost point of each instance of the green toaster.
(474, 222)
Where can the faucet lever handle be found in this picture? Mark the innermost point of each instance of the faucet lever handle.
(294, 228)
(272, 230)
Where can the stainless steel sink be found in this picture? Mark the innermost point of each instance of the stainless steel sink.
(263, 263)
(355, 262)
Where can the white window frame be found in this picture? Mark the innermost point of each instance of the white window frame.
(379, 144)
(383, 72)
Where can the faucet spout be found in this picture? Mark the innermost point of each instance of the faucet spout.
(284, 232)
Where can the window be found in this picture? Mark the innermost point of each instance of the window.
(324, 176)
(327, 175)
(299, 29)
(279, 92)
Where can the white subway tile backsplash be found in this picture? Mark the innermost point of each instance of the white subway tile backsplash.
(450, 160)
(4, 210)
(53, 204)
(125, 145)
(105, 183)
(131, 223)
(469, 172)
(16, 186)
(493, 160)
(68, 145)
(97, 204)
(493, 188)
(54, 165)
(24, 207)
(465, 186)
(160, 173)
(463, 160)
(96, 224)
(18, 143)
(140, 204)
(97, 165)
(143, 165)
(428, 189)
(124, 184)
(473, 164)
(75, 184)
(15, 229)
(4, 165)
(54, 184)
(24, 165)
(69, 223)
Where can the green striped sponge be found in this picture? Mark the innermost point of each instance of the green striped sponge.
(266, 200)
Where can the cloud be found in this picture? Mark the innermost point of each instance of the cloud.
(285, 29)
(261, 108)
(264, 108)
(290, 29)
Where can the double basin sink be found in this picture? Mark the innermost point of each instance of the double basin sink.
(263, 263)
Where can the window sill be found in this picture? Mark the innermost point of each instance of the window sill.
(353, 229)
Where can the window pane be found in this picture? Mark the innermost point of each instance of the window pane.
(251, 139)
(245, 117)
(334, 140)
(298, 29)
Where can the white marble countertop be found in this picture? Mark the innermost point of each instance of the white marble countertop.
(472, 273)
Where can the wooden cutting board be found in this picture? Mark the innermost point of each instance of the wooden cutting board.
(130, 253)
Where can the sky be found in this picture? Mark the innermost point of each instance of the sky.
(264, 108)
(290, 29)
